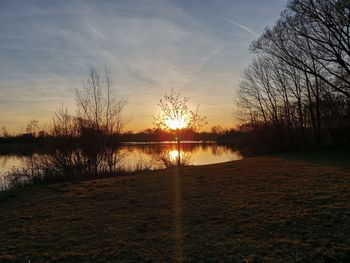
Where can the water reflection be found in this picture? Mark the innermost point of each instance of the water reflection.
(158, 156)
(151, 156)
(9, 162)
(173, 155)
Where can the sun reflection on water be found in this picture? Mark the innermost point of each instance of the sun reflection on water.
(173, 155)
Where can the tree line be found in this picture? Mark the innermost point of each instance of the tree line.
(295, 93)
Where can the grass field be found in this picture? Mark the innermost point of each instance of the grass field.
(264, 209)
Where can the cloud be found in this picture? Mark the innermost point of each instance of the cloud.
(149, 46)
(242, 26)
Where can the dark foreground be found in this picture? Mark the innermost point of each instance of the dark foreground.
(255, 210)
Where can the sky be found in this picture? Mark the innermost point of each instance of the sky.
(198, 47)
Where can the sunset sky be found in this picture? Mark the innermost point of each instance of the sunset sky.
(198, 47)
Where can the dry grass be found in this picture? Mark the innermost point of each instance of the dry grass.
(255, 210)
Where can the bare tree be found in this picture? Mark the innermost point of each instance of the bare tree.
(177, 116)
(98, 102)
(313, 36)
(300, 76)
(4, 131)
(87, 143)
(32, 127)
(100, 111)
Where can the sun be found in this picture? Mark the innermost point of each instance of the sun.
(177, 123)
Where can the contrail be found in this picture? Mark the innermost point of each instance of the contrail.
(242, 26)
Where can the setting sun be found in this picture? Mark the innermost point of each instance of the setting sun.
(178, 123)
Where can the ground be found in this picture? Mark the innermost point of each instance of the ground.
(264, 209)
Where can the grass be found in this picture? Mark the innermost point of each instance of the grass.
(333, 157)
(265, 209)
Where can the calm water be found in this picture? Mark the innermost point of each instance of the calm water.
(136, 156)
(153, 156)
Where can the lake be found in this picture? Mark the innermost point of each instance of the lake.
(140, 156)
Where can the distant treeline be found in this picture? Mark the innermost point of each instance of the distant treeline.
(158, 135)
(148, 135)
(295, 94)
(23, 145)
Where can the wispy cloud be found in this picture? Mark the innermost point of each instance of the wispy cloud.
(242, 26)
(150, 46)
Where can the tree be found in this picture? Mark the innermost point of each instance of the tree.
(100, 113)
(176, 116)
(4, 132)
(313, 36)
(298, 84)
(98, 102)
(32, 126)
(217, 130)
(86, 143)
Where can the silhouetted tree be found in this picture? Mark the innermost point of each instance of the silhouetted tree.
(87, 143)
(4, 132)
(32, 126)
(100, 111)
(177, 116)
(298, 85)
